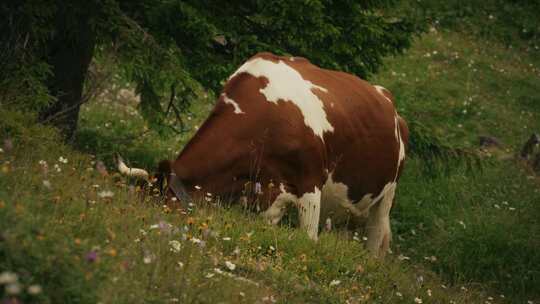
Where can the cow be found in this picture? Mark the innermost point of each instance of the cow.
(285, 132)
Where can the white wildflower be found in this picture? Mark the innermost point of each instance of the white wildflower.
(63, 160)
(209, 275)
(399, 294)
(429, 292)
(230, 265)
(47, 184)
(198, 187)
(462, 224)
(34, 289)
(335, 283)
(196, 241)
(175, 245)
(418, 300)
(180, 264)
(105, 194)
(226, 238)
(402, 257)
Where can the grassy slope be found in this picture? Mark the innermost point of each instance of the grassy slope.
(48, 234)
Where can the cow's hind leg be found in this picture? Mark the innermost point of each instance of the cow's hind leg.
(378, 223)
(309, 210)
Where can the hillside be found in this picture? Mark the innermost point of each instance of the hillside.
(461, 235)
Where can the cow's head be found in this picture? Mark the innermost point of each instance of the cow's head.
(163, 181)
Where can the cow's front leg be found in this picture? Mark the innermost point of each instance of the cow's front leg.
(309, 210)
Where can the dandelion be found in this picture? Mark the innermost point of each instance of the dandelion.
(34, 289)
(8, 277)
(230, 265)
(418, 300)
(335, 283)
(175, 246)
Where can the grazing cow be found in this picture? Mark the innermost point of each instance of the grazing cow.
(285, 132)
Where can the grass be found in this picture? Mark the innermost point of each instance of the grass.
(465, 236)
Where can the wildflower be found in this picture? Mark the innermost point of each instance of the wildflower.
(57, 168)
(335, 283)
(1, 150)
(91, 256)
(242, 294)
(8, 277)
(402, 257)
(175, 246)
(47, 184)
(34, 289)
(230, 265)
(196, 240)
(209, 275)
(105, 194)
(226, 238)
(418, 300)
(165, 227)
(180, 264)
(399, 294)
(148, 258)
(429, 292)
(462, 224)
(198, 187)
(63, 160)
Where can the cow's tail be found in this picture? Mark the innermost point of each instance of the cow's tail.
(131, 172)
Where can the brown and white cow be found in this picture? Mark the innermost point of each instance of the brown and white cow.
(285, 132)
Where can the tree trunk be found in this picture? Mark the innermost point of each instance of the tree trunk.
(70, 53)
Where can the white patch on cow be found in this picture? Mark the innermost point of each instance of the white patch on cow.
(309, 209)
(381, 90)
(227, 100)
(276, 211)
(287, 84)
(335, 202)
